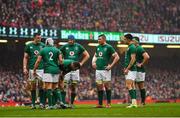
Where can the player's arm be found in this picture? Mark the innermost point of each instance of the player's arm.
(145, 59)
(60, 59)
(94, 61)
(37, 64)
(85, 57)
(132, 61)
(115, 60)
(25, 62)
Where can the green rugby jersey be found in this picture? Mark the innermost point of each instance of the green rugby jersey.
(139, 57)
(103, 55)
(72, 52)
(50, 56)
(130, 50)
(33, 50)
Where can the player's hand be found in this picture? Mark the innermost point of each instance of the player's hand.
(80, 63)
(108, 67)
(34, 73)
(139, 65)
(126, 71)
(25, 71)
(94, 65)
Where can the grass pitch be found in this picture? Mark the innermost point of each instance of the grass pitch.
(150, 110)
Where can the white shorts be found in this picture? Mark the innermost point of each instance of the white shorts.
(140, 76)
(131, 75)
(103, 76)
(40, 74)
(72, 76)
(53, 78)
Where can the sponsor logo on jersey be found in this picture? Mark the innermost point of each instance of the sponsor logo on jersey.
(100, 54)
(36, 52)
(71, 53)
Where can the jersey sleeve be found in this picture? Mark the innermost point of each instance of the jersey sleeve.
(27, 49)
(41, 53)
(132, 50)
(141, 50)
(112, 50)
(82, 49)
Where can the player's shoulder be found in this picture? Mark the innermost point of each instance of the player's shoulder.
(29, 43)
(139, 47)
(132, 45)
(77, 44)
(42, 44)
(108, 45)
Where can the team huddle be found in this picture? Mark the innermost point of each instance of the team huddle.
(51, 71)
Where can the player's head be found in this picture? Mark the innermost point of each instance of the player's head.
(49, 41)
(75, 66)
(136, 40)
(101, 39)
(37, 37)
(128, 38)
(71, 39)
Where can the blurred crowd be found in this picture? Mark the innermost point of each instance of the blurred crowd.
(145, 16)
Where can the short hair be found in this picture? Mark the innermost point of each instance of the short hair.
(36, 34)
(102, 35)
(128, 36)
(136, 39)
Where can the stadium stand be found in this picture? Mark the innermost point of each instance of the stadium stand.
(153, 16)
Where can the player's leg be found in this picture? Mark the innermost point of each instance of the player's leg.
(142, 92)
(48, 79)
(57, 92)
(63, 84)
(40, 86)
(140, 83)
(74, 79)
(107, 85)
(32, 84)
(130, 85)
(73, 88)
(62, 87)
(108, 93)
(100, 87)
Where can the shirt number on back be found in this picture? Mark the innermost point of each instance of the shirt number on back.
(51, 55)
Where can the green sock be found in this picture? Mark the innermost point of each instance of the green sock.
(143, 95)
(134, 94)
(53, 100)
(49, 96)
(33, 97)
(44, 97)
(100, 97)
(108, 96)
(63, 93)
(58, 95)
(41, 96)
(131, 93)
(73, 95)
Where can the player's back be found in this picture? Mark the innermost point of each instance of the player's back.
(50, 56)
